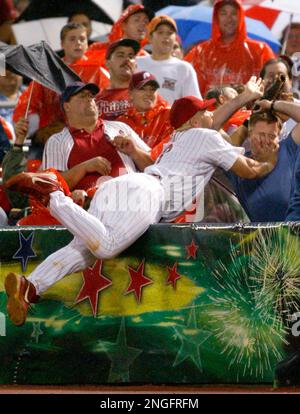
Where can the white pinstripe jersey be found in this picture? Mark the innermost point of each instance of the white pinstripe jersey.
(189, 159)
(59, 146)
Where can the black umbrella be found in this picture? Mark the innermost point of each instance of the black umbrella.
(42, 9)
(38, 62)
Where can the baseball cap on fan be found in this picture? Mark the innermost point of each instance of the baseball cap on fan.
(139, 79)
(161, 19)
(122, 42)
(185, 108)
(75, 88)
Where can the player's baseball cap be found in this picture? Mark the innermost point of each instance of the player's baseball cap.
(139, 79)
(122, 42)
(185, 108)
(75, 88)
(162, 19)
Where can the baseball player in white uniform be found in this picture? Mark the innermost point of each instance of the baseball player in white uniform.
(142, 199)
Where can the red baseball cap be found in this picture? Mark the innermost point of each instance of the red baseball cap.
(139, 79)
(185, 108)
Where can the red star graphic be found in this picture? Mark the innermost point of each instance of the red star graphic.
(192, 250)
(173, 275)
(94, 282)
(138, 281)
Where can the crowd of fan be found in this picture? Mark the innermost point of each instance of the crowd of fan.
(137, 74)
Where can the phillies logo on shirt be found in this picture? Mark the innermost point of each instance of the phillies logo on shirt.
(114, 107)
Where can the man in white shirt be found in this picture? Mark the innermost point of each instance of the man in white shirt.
(123, 208)
(176, 77)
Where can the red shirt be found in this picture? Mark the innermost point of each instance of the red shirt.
(112, 103)
(89, 145)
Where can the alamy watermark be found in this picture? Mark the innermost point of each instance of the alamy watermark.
(2, 65)
(175, 195)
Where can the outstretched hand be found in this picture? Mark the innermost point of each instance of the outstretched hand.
(254, 88)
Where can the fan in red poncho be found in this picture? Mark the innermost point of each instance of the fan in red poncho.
(149, 115)
(131, 25)
(229, 56)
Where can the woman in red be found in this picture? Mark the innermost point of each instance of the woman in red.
(149, 115)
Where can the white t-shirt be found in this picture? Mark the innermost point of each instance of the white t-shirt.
(176, 77)
(187, 163)
(58, 147)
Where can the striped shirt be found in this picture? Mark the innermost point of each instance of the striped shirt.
(58, 147)
(187, 163)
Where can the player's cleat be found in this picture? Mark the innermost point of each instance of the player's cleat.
(39, 185)
(21, 293)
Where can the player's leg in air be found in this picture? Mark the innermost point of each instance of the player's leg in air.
(105, 230)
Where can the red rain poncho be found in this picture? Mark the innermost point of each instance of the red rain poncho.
(217, 63)
(97, 50)
(152, 126)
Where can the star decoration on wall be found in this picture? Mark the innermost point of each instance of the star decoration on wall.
(25, 251)
(192, 250)
(37, 332)
(191, 338)
(138, 281)
(173, 275)
(121, 356)
(94, 282)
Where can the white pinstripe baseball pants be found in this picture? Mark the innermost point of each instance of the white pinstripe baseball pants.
(120, 212)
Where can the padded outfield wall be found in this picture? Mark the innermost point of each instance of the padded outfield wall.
(185, 304)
